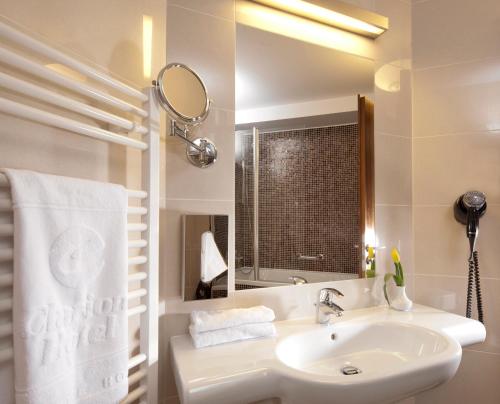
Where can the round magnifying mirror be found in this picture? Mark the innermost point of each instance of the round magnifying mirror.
(183, 94)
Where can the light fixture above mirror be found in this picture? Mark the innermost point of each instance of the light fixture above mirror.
(334, 13)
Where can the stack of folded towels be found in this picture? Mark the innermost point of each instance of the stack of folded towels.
(220, 326)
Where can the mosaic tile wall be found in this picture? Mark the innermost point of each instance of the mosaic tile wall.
(221, 234)
(308, 199)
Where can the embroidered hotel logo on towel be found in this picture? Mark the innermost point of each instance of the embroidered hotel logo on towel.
(77, 256)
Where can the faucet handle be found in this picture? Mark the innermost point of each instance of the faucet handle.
(297, 280)
(326, 293)
(325, 307)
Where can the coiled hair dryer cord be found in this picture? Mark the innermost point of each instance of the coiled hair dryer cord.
(474, 278)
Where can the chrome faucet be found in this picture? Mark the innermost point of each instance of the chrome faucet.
(325, 307)
(297, 280)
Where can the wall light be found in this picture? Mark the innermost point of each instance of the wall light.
(303, 29)
(335, 13)
(147, 45)
(388, 76)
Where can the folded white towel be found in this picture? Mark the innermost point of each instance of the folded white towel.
(202, 320)
(212, 263)
(238, 333)
(70, 290)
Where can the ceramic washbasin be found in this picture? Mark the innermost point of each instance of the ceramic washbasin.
(366, 362)
(376, 349)
(398, 353)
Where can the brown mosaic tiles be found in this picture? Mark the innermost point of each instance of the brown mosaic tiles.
(308, 199)
(220, 230)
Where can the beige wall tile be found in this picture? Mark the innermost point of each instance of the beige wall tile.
(216, 8)
(393, 229)
(475, 382)
(447, 166)
(459, 98)
(455, 89)
(393, 109)
(449, 293)
(410, 286)
(441, 247)
(395, 43)
(392, 169)
(114, 41)
(185, 181)
(208, 49)
(368, 4)
(445, 31)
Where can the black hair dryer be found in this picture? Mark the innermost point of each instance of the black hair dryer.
(468, 209)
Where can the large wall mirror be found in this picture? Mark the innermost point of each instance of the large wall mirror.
(304, 178)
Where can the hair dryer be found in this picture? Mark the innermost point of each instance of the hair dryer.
(468, 209)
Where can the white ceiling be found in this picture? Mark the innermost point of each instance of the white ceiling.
(275, 70)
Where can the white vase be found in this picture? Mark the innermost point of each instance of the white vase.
(399, 300)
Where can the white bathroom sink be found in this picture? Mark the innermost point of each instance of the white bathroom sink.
(366, 362)
(398, 354)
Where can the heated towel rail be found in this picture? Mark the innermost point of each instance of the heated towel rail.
(142, 120)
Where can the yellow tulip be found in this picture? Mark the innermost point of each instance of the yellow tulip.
(371, 252)
(395, 255)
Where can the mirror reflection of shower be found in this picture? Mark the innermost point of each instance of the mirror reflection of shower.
(300, 189)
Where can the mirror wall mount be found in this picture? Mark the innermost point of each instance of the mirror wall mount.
(183, 95)
(201, 151)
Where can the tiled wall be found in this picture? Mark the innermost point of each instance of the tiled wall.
(393, 140)
(308, 199)
(456, 147)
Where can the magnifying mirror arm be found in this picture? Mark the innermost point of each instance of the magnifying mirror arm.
(182, 134)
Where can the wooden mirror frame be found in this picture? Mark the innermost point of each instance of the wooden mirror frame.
(367, 176)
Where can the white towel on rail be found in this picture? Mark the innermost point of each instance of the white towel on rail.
(238, 333)
(70, 289)
(202, 320)
(212, 264)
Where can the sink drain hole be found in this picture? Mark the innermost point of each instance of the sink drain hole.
(351, 370)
